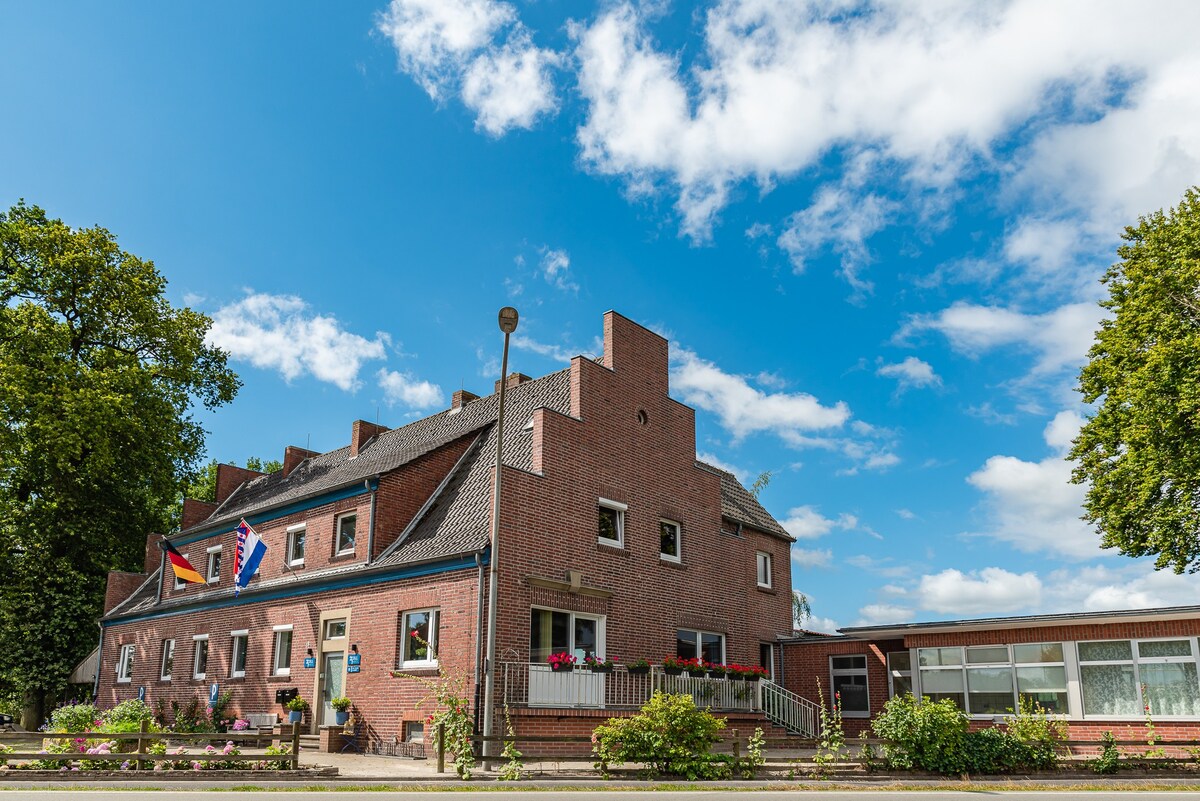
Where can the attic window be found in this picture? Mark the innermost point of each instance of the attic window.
(528, 426)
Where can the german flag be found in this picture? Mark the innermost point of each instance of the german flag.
(182, 567)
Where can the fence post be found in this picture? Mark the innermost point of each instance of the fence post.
(441, 747)
(141, 744)
(737, 747)
(295, 746)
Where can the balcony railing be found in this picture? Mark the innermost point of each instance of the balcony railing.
(536, 685)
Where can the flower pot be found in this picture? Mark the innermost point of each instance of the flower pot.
(716, 674)
(639, 670)
(565, 667)
(340, 717)
(294, 716)
(672, 671)
(752, 678)
(601, 668)
(697, 674)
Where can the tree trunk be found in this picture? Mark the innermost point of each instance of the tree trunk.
(33, 712)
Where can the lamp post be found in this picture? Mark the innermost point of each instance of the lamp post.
(508, 323)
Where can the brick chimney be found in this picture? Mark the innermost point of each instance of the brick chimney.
(153, 552)
(120, 586)
(230, 477)
(513, 380)
(462, 398)
(361, 433)
(293, 456)
(195, 511)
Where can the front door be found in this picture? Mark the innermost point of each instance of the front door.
(334, 674)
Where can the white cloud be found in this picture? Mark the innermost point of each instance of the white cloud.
(824, 625)
(556, 266)
(403, 388)
(452, 46)
(810, 558)
(279, 332)
(1032, 505)
(1129, 585)
(806, 523)
(883, 614)
(906, 514)
(1058, 339)
(989, 591)
(911, 373)
(743, 409)
(884, 566)
(717, 462)
(558, 353)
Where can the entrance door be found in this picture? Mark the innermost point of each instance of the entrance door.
(331, 686)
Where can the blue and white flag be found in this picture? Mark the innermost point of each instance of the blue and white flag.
(250, 550)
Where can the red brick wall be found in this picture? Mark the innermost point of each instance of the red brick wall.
(805, 664)
(230, 477)
(384, 701)
(120, 586)
(1106, 631)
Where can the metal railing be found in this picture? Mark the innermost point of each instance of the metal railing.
(784, 708)
(536, 685)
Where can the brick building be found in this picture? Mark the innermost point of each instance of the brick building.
(1099, 670)
(614, 540)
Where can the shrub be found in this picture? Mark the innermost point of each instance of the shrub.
(1109, 760)
(73, 718)
(669, 735)
(1041, 734)
(925, 735)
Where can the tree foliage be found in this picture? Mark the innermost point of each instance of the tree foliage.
(98, 376)
(203, 487)
(1140, 452)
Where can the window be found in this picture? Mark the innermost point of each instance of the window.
(766, 658)
(419, 629)
(199, 656)
(414, 731)
(942, 675)
(848, 679)
(125, 664)
(612, 522)
(180, 583)
(295, 545)
(168, 660)
(553, 632)
(281, 662)
(989, 680)
(345, 533)
(899, 673)
(335, 629)
(213, 573)
(705, 645)
(1041, 675)
(1124, 678)
(668, 541)
(994, 679)
(764, 569)
(237, 665)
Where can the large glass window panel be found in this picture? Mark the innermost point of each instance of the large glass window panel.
(1171, 688)
(1044, 686)
(990, 690)
(935, 657)
(941, 681)
(585, 638)
(1107, 651)
(991, 655)
(848, 663)
(1038, 652)
(900, 660)
(420, 636)
(712, 648)
(900, 668)
(1109, 689)
(685, 644)
(853, 692)
(1158, 648)
(549, 633)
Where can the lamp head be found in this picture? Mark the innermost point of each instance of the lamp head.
(508, 319)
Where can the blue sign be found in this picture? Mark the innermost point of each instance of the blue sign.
(354, 659)
(310, 661)
(142, 693)
(353, 669)
(212, 695)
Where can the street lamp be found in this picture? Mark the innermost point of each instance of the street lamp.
(508, 323)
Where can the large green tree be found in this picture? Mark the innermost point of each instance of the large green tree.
(1139, 453)
(98, 377)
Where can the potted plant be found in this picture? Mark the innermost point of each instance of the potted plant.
(562, 662)
(600, 664)
(736, 672)
(673, 665)
(341, 708)
(639, 667)
(694, 667)
(755, 673)
(296, 709)
(716, 671)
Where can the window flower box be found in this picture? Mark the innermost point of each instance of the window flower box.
(561, 662)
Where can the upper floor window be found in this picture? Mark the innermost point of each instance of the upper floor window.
(240, 641)
(419, 629)
(764, 569)
(168, 660)
(668, 540)
(213, 573)
(345, 533)
(200, 656)
(125, 664)
(295, 545)
(179, 582)
(848, 680)
(612, 522)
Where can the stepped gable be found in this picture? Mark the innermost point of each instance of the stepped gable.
(739, 505)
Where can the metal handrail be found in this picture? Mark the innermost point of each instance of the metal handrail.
(788, 710)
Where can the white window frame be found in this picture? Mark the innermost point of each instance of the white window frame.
(435, 622)
(196, 640)
(863, 671)
(278, 632)
(699, 640)
(242, 636)
(601, 622)
(180, 583)
(762, 565)
(125, 664)
(666, 557)
(328, 624)
(1138, 660)
(168, 651)
(620, 509)
(964, 667)
(292, 531)
(215, 550)
(896, 673)
(337, 534)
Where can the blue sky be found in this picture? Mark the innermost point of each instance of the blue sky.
(873, 233)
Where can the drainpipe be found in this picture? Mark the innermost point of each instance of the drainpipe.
(371, 523)
(479, 642)
(99, 662)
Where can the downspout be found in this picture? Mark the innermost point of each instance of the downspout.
(479, 636)
(371, 522)
(99, 662)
